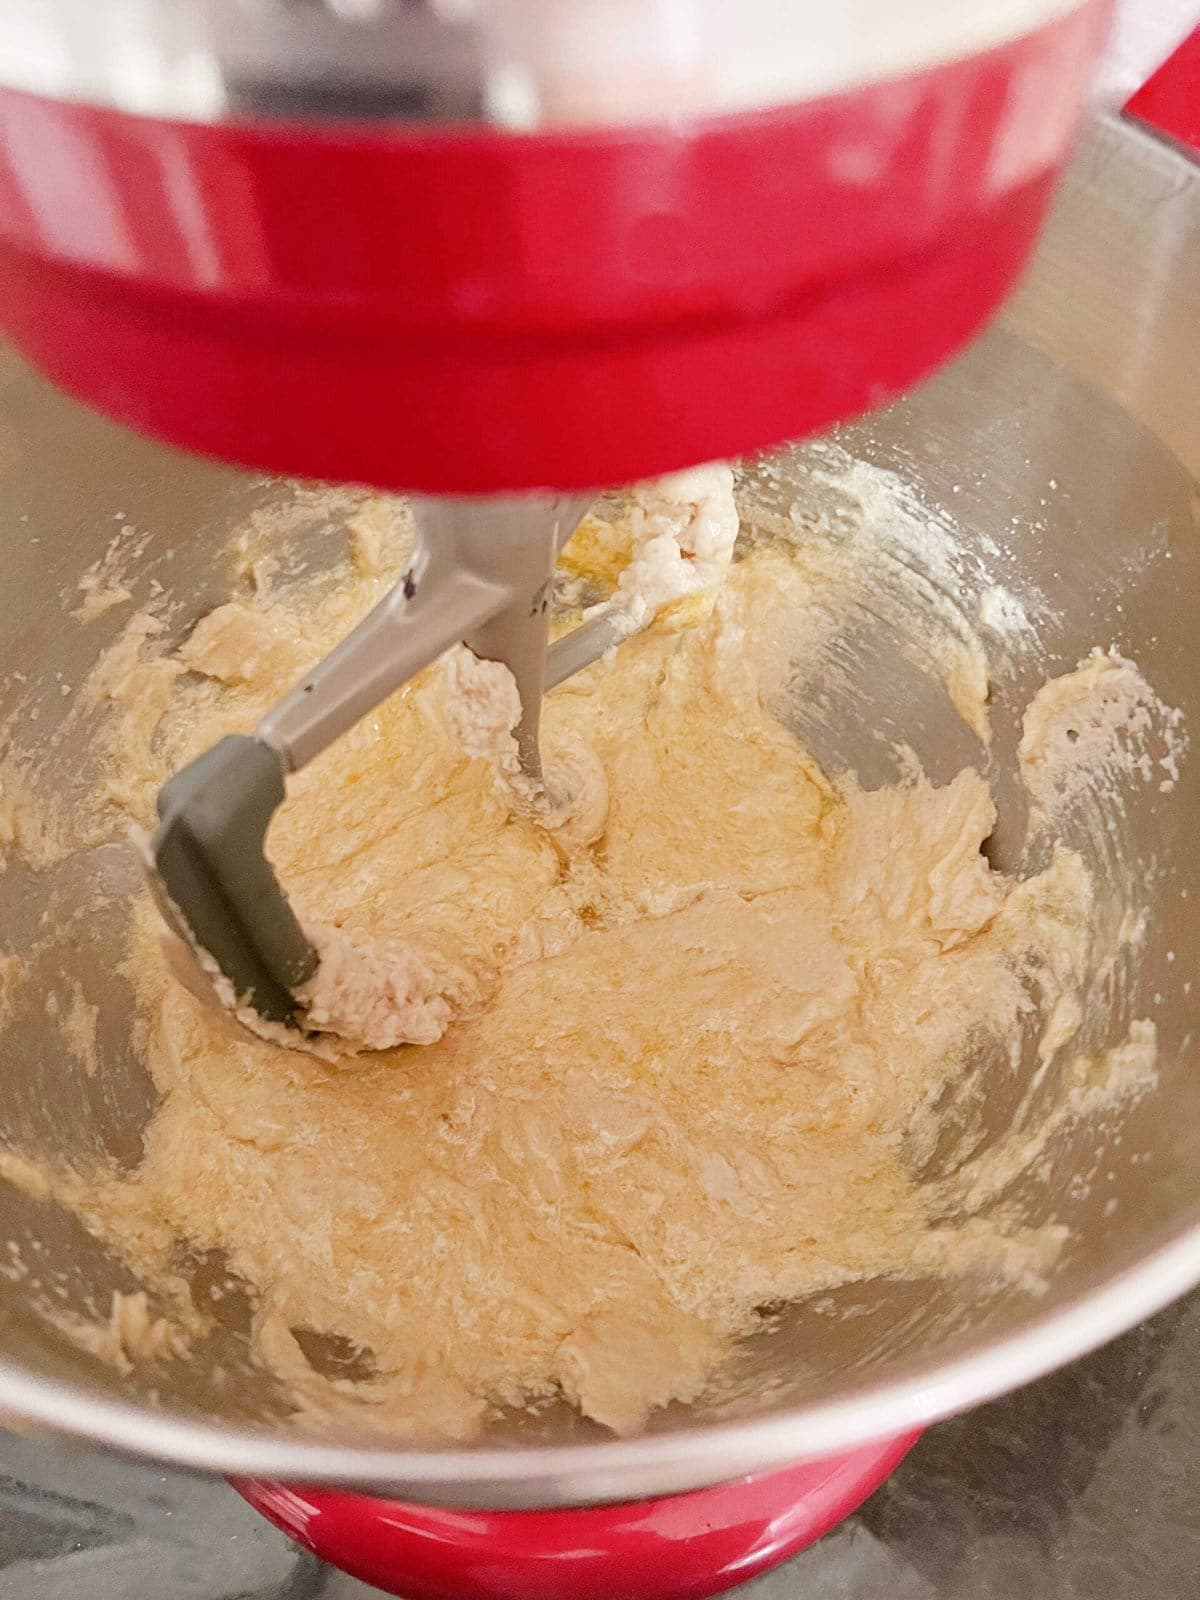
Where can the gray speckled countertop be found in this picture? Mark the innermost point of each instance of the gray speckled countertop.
(1085, 1486)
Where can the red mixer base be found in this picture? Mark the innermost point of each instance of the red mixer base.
(678, 1548)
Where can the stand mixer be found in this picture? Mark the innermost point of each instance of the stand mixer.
(480, 248)
(503, 256)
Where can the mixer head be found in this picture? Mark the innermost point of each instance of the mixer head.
(481, 248)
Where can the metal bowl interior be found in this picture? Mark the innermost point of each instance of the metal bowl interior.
(1066, 444)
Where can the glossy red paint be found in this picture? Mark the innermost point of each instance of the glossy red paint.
(678, 1548)
(464, 310)
(1169, 101)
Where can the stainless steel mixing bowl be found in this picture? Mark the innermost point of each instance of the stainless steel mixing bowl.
(1066, 444)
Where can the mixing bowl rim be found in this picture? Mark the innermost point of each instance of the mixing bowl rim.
(623, 1469)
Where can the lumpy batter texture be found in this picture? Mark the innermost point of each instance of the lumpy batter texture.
(689, 1056)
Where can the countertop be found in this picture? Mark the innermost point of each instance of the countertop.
(1085, 1486)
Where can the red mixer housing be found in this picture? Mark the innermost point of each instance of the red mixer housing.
(462, 309)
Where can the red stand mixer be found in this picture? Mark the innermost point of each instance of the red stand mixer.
(480, 247)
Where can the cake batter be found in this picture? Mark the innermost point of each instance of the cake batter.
(669, 1066)
(672, 1066)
